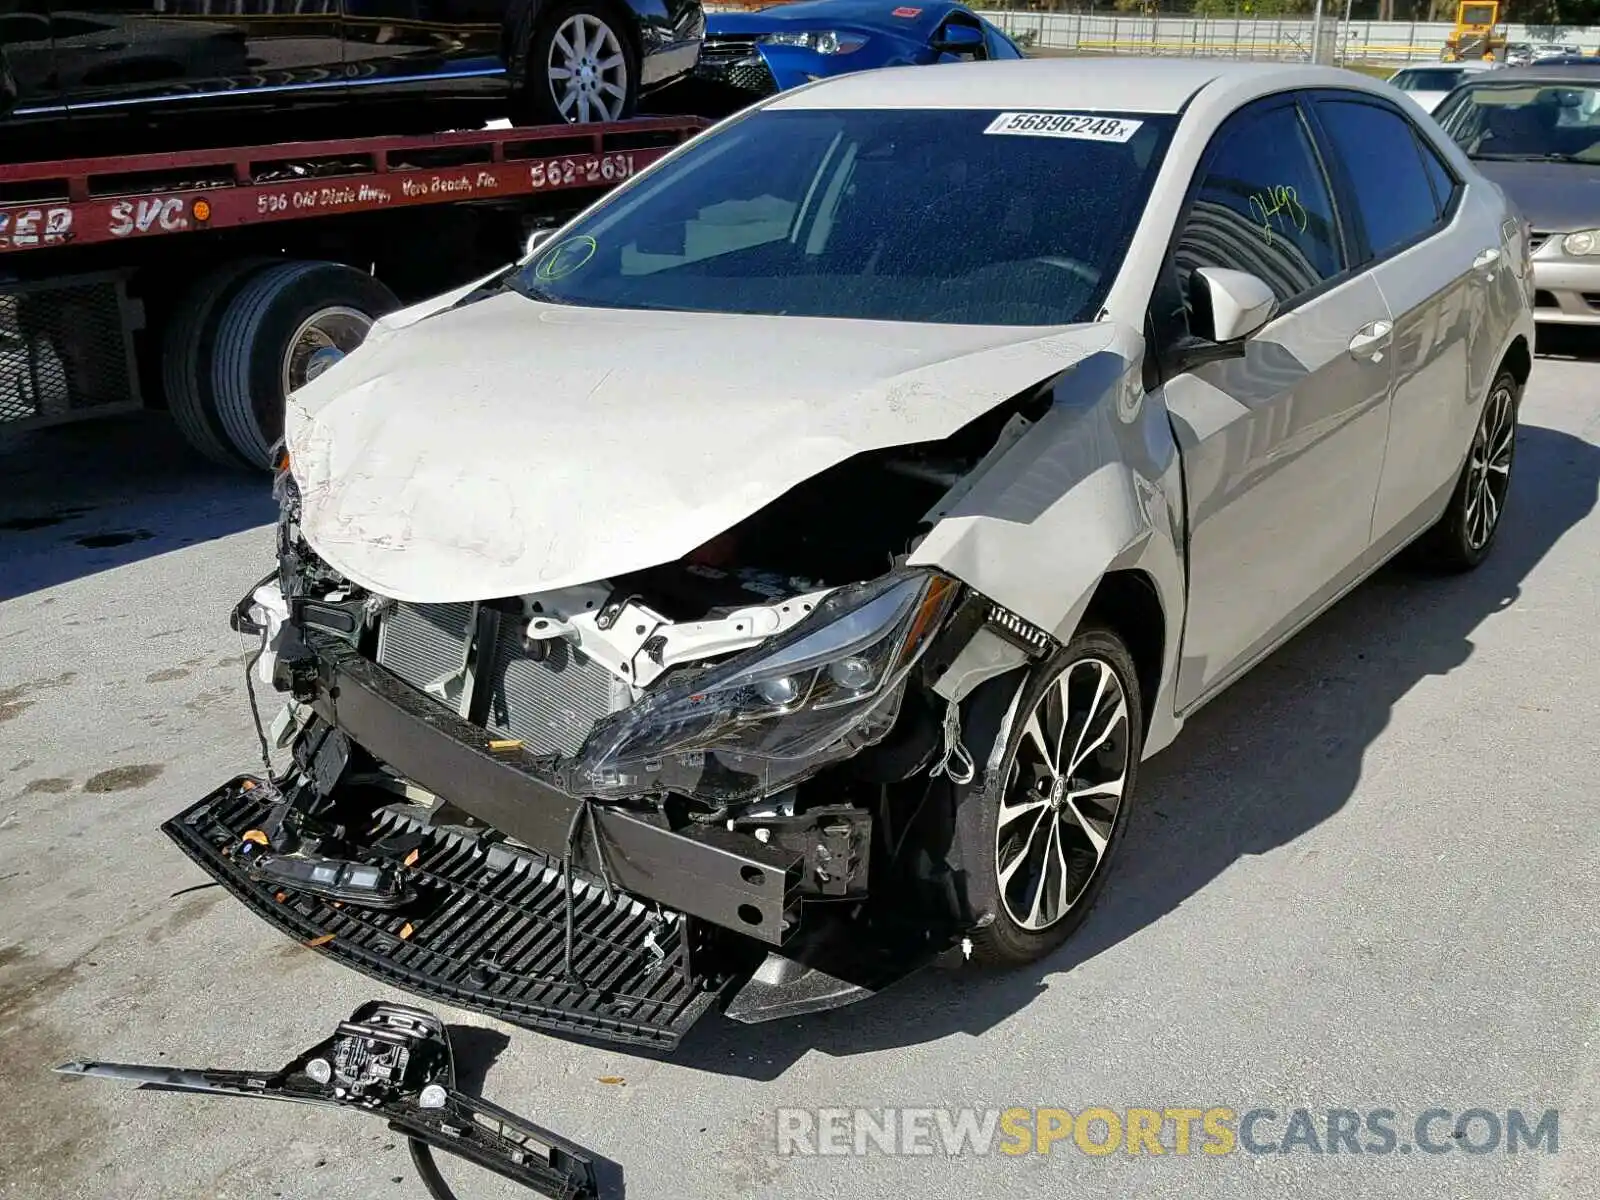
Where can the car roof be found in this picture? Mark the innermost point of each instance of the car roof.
(1142, 85)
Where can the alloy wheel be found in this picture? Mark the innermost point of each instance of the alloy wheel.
(587, 69)
(1064, 794)
(1489, 468)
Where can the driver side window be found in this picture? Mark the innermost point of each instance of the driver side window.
(1263, 206)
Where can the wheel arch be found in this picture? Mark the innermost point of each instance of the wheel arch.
(1518, 359)
(1129, 604)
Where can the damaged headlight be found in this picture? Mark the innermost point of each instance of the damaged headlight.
(817, 694)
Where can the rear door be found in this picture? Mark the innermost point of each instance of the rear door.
(1282, 448)
(398, 48)
(1435, 261)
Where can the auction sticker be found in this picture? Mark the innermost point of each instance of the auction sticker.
(1083, 126)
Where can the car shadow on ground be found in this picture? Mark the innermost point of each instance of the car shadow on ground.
(79, 499)
(1272, 758)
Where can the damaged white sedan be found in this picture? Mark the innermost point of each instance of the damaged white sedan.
(777, 579)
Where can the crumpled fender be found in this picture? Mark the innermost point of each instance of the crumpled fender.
(1098, 482)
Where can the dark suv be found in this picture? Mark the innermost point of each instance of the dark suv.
(168, 60)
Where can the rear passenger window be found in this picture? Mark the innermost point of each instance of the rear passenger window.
(1380, 154)
(1264, 206)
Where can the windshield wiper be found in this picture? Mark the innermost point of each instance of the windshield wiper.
(1548, 156)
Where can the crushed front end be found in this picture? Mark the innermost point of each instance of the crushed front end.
(604, 809)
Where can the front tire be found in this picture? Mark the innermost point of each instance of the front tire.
(581, 67)
(1463, 537)
(1037, 839)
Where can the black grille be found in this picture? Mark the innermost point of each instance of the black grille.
(485, 932)
(1537, 239)
(1544, 299)
(63, 350)
(736, 62)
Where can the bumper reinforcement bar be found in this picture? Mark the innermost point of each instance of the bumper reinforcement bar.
(395, 1063)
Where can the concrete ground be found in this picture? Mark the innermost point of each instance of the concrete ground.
(1365, 878)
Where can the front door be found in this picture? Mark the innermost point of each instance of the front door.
(1282, 448)
(115, 53)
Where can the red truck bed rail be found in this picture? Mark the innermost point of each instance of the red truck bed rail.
(87, 201)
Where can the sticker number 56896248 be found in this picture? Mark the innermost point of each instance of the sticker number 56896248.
(1081, 126)
(567, 172)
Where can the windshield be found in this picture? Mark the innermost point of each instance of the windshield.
(1427, 79)
(1559, 122)
(957, 217)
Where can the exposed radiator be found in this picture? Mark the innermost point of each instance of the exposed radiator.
(549, 697)
(551, 704)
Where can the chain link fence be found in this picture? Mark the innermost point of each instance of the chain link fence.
(1295, 38)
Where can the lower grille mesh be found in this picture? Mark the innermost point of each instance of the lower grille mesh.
(485, 932)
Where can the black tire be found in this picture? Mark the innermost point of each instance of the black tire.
(186, 357)
(255, 332)
(536, 101)
(1457, 541)
(999, 937)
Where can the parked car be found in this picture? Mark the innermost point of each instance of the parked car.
(1429, 85)
(1536, 132)
(786, 45)
(807, 544)
(548, 60)
(1549, 50)
(1518, 54)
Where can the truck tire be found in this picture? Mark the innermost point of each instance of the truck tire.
(267, 331)
(186, 357)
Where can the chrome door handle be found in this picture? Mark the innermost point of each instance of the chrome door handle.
(1370, 340)
(1486, 260)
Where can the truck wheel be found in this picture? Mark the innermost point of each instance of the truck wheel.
(1037, 839)
(268, 338)
(186, 357)
(581, 67)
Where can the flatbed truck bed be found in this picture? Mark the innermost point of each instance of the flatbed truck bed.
(205, 281)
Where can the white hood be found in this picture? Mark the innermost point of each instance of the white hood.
(509, 446)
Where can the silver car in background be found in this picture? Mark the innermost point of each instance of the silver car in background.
(812, 538)
(1429, 85)
(1535, 131)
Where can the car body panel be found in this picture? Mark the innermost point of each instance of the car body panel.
(891, 36)
(1282, 451)
(618, 481)
(1418, 82)
(110, 56)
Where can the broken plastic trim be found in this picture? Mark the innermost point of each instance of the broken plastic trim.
(396, 1063)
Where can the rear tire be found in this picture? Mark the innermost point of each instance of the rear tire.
(1463, 537)
(256, 359)
(1037, 839)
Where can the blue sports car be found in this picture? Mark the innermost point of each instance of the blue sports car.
(783, 46)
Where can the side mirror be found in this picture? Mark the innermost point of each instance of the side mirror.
(534, 240)
(959, 39)
(1226, 305)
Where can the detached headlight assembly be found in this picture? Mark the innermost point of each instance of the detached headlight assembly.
(814, 695)
(823, 42)
(1582, 244)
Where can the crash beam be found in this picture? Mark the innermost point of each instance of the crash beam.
(706, 871)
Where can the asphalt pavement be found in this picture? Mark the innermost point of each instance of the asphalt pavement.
(1363, 879)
